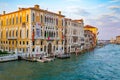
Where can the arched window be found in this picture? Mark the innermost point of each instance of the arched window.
(27, 33)
(48, 19)
(6, 21)
(6, 34)
(1, 23)
(54, 34)
(16, 33)
(54, 48)
(45, 19)
(13, 33)
(16, 20)
(56, 21)
(45, 48)
(10, 21)
(1, 34)
(13, 21)
(41, 19)
(20, 33)
(20, 19)
(33, 15)
(45, 34)
(27, 17)
(41, 33)
(52, 20)
(9, 33)
(62, 23)
(49, 34)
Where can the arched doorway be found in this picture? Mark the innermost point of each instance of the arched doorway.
(49, 48)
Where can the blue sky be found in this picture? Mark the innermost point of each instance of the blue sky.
(103, 14)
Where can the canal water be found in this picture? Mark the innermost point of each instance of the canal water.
(100, 64)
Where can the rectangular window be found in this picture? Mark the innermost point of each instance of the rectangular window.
(16, 20)
(27, 42)
(33, 42)
(33, 49)
(20, 42)
(13, 21)
(20, 19)
(41, 42)
(23, 43)
(27, 18)
(41, 49)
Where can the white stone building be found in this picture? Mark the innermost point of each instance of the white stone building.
(74, 35)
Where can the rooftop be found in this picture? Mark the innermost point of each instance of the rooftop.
(89, 26)
(36, 7)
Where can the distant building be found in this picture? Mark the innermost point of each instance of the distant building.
(74, 35)
(94, 30)
(90, 39)
(112, 41)
(117, 39)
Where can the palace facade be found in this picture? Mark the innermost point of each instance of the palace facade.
(32, 30)
(74, 35)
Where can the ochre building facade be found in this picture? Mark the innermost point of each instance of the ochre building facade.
(32, 30)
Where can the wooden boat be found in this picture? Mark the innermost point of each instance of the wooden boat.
(42, 60)
(30, 59)
(63, 56)
(50, 59)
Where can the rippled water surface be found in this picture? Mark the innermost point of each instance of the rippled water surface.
(100, 64)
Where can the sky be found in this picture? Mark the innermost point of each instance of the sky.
(103, 14)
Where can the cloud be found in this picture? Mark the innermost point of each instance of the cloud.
(114, 1)
(108, 26)
(115, 9)
(81, 12)
(109, 20)
(3, 6)
(76, 10)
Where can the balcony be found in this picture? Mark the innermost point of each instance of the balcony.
(39, 37)
(12, 38)
(50, 38)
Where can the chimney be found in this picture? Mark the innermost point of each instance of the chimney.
(36, 6)
(19, 8)
(3, 12)
(59, 12)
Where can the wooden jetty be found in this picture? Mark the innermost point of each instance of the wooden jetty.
(63, 56)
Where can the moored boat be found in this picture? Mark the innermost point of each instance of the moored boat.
(63, 56)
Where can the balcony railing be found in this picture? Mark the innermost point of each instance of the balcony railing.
(12, 38)
(39, 37)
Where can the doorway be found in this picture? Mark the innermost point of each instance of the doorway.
(49, 48)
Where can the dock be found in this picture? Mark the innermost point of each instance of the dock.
(63, 56)
(7, 58)
(30, 59)
(46, 59)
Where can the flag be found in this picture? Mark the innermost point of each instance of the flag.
(48, 38)
(62, 36)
